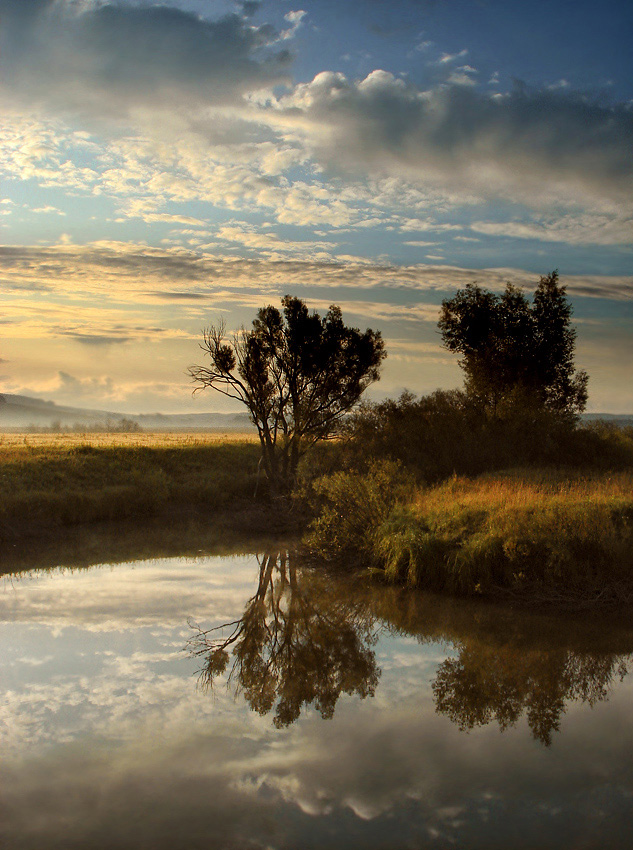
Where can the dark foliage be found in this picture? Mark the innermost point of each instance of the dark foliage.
(446, 432)
(516, 354)
(297, 373)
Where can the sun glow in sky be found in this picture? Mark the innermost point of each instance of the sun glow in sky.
(165, 165)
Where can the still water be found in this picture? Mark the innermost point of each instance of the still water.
(249, 702)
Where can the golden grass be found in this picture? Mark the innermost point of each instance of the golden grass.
(542, 533)
(526, 489)
(158, 439)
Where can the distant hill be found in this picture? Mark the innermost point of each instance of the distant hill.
(622, 420)
(20, 411)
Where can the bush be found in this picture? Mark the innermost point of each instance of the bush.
(352, 506)
(446, 434)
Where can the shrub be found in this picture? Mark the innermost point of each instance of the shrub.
(352, 506)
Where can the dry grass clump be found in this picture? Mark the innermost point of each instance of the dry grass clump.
(533, 533)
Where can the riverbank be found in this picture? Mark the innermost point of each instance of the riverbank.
(543, 536)
(539, 536)
(48, 483)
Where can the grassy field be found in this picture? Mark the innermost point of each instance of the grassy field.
(542, 534)
(51, 481)
(13, 441)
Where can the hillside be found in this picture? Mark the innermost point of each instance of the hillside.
(19, 411)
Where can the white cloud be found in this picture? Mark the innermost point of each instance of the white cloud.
(295, 20)
(48, 210)
(446, 58)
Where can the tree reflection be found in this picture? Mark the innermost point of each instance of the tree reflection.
(298, 642)
(509, 663)
(497, 682)
(307, 636)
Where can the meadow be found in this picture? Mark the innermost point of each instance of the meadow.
(52, 481)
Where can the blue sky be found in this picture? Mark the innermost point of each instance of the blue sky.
(167, 165)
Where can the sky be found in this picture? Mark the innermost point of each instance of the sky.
(166, 166)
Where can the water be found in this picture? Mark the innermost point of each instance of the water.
(327, 712)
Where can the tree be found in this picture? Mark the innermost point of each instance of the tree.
(516, 354)
(297, 373)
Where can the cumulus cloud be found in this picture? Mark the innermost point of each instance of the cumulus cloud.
(112, 58)
(533, 145)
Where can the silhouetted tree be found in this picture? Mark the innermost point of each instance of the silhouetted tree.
(297, 373)
(516, 354)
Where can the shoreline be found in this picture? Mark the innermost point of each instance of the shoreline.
(535, 538)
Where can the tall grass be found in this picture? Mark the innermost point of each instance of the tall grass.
(540, 533)
(50, 485)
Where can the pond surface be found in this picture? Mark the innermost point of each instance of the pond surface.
(326, 712)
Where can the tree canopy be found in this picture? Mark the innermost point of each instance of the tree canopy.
(297, 373)
(515, 352)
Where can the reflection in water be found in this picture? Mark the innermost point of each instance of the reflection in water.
(96, 692)
(305, 639)
(297, 643)
(486, 683)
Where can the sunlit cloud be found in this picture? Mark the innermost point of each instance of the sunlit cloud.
(161, 162)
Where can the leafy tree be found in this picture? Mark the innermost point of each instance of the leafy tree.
(297, 373)
(516, 354)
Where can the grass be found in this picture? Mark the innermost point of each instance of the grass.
(540, 534)
(52, 481)
(563, 536)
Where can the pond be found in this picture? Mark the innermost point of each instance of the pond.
(247, 701)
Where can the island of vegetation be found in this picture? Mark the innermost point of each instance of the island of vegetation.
(499, 489)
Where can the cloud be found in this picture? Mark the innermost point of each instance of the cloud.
(121, 273)
(574, 229)
(295, 20)
(49, 209)
(112, 58)
(534, 145)
(382, 311)
(446, 58)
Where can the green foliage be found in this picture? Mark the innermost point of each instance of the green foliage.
(352, 506)
(516, 354)
(297, 373)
